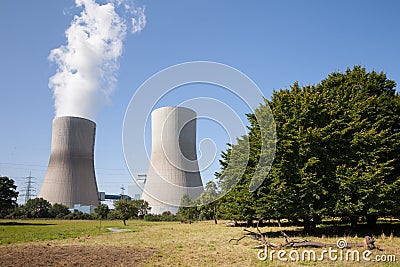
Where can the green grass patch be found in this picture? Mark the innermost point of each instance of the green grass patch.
(39, 230)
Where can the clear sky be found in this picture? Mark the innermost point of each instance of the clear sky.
(273, 42)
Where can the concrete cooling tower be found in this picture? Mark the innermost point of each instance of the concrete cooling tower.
(173, 170)
(70, 177)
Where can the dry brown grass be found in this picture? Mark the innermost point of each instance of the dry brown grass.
(206, 244)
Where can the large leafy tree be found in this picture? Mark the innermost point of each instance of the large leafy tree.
(239, 163)
(37, 208)
(188, 209)
(337, 147)
(243, 166)
(8, 196)
(208, 202)
(142, 207)
(102, 211)
(125, 209)
(58, 210)
(368, 171)
(299, 184)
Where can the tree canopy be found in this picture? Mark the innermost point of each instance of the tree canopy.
(8, 196)
(38, 208)
(336, 153)
(126, 209)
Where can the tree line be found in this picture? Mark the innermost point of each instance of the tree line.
(41, 208)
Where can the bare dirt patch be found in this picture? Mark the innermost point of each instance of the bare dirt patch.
(73, 255)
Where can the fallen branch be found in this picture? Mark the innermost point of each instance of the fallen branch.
(230, 224)
(368, 242)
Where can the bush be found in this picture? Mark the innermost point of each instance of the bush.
(68, 217)
(113, 215)
(38, 208)
(58, 211)
(62, 216)
(18, 213)
(78, 215)
(166, 216)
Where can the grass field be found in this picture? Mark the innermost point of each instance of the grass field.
(41, 230)
(162, 244)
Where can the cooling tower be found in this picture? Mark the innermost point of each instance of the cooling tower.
(70, 177)
(173, 170)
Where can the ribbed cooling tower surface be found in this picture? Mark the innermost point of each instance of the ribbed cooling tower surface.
(70, 178)
(173, 170)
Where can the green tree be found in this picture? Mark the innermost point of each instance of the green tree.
(368, 174)
(299, 183)
(142, 207)
(18, 213)
(187, 210)
(208, 202)
(8, 196)
(239, 163)
(102, 211)
(337, 147)
(58, 211)
(166, 216)
(37, 208)
(113, 215)
(125, 209)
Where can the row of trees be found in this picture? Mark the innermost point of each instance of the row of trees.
(337, 153)
(41, 208)
(205, 207)
(123, 209)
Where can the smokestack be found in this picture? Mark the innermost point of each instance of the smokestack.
(173, 170)
(70, 178)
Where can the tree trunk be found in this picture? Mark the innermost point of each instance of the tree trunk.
(353, 222)
(309, 225)
(124, 222)
(317, 220)
(371, 220)
(295, 221)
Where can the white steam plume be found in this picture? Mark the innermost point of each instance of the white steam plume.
(87, 65)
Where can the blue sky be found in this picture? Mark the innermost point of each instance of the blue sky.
(273, 42)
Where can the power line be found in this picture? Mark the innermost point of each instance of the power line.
(26, 166)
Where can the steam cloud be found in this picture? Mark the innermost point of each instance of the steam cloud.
(87, 65)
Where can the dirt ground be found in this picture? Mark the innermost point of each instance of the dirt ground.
(73, 255)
